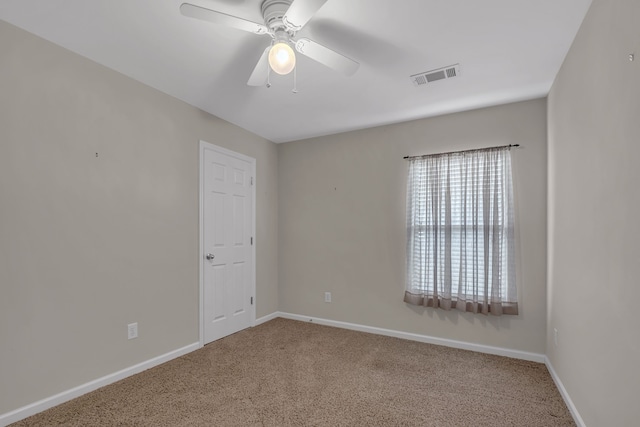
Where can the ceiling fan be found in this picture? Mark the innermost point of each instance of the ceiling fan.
(282, 20)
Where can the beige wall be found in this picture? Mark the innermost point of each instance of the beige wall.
(89, 244)
(342, 224)
(594, 209)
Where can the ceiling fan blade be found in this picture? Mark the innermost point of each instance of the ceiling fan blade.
(326, 56)
(259, 75)
(300, 12)
(220, 18)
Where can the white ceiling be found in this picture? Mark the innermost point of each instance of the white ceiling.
(508, 50)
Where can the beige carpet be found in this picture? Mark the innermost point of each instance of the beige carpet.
(289, 373)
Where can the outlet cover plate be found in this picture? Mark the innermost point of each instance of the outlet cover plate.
(132, 330)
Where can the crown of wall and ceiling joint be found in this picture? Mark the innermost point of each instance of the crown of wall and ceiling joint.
(443, 73)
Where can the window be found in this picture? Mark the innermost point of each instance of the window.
(460, 232)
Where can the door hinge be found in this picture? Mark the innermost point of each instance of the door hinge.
(251, 241)
(251, 300)
(251, 180)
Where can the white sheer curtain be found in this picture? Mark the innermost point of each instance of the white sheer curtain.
(460, 232)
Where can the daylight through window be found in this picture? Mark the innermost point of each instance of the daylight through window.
(460, 232)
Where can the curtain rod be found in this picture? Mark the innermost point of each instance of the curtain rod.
(461, 151)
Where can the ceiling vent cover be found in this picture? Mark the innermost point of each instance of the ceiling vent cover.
(444, 73)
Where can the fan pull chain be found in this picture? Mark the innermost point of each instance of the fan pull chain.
(268, 77)
(295, 80)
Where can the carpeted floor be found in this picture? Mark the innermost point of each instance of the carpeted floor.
(290, 373)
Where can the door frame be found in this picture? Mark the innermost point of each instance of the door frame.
(208, 146)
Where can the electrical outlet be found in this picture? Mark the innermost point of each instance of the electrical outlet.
(327, 297)
(555, 337)
(132, 330)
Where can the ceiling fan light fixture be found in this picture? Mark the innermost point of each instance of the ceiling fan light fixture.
(282, 59)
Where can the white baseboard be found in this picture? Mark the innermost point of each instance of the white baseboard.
(266, 318)
(563, 392)
(50, 402)
(516, 354)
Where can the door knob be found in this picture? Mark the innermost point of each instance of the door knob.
(210, 256)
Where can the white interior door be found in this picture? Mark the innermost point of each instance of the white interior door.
(228, 256)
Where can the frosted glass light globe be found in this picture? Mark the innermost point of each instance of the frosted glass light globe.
(281, 58)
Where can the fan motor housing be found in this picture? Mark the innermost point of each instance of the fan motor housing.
(273, 11)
